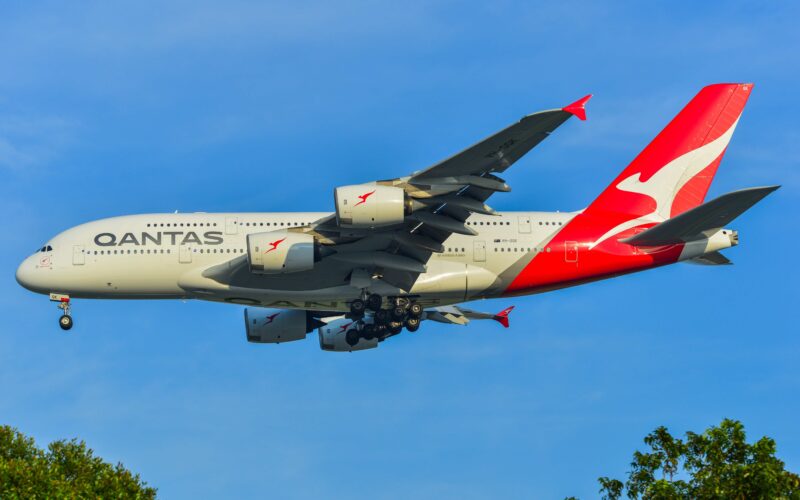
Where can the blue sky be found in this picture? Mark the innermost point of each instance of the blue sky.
(136, 107)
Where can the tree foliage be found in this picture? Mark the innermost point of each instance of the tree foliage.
(718, 463)
(67, 469)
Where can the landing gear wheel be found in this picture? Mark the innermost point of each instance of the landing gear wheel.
(401, 302)
(65, 322)
(398, 313)
(369, 332)
(395, 328)
(415, 310)
(412, 324)
(374, 302)
(357, 308)
(351, 337)
(382, 316)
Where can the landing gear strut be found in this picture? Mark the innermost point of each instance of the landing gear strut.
(65, 321)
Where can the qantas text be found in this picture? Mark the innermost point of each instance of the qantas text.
(159, 238)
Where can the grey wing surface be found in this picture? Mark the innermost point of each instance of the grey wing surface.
(443, 197)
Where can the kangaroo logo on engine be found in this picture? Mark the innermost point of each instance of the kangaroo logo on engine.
(363, 198)
(275, 244)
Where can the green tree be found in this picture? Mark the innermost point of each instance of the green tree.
(67, 469)
(716, 464)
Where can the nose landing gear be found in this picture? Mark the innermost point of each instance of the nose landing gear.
(65, 321)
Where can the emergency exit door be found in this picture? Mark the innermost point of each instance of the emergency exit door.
(479, 251)
(571, 251)
(184, 254)
(78, 255)
(524, 224)
(231, 225)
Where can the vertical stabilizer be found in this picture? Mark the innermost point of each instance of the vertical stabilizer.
(673, 173)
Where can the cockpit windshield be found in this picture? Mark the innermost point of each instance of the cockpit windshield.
(46, 248)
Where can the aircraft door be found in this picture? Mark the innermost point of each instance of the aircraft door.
(571, 251)
(184, 254)
(231, 225)
(524, 224)
(78, 255)
(479, 251)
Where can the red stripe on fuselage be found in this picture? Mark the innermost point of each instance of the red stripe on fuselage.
(558, 265)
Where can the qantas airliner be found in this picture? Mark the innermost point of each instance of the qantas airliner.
(397, 252)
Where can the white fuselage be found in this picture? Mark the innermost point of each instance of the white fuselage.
(166, 256)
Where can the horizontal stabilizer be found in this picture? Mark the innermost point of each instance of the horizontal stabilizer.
(461, 315)
(711, 259)
(708, 216)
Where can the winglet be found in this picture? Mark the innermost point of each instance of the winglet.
(578, 108)
(502, 316)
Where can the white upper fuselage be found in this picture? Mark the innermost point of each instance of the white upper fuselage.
(165, 255)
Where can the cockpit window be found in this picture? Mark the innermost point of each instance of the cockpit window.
(46, 248)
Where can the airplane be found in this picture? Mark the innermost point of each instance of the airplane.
(396, 252)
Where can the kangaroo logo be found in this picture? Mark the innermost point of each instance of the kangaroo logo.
(344, 327)
(667, 181)
(364, 197)
(275, 244)
(270, 319)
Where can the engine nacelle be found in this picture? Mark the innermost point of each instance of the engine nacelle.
(367, 206)
(272, 326)
(333, 337)
(279, 252)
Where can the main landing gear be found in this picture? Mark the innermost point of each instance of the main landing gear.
(386, 322)
(65, 321)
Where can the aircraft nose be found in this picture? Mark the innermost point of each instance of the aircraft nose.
(30, 277)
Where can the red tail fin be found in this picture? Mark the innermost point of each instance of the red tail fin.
(673, 173)
(502, 316)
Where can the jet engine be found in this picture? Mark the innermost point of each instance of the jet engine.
(368, 206)
(280, 252)
(272, 326)
(333, 337)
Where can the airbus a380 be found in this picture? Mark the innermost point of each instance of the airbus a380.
(397, 252)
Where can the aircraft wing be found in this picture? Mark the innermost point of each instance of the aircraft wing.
(500, 150)
(442, 197)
